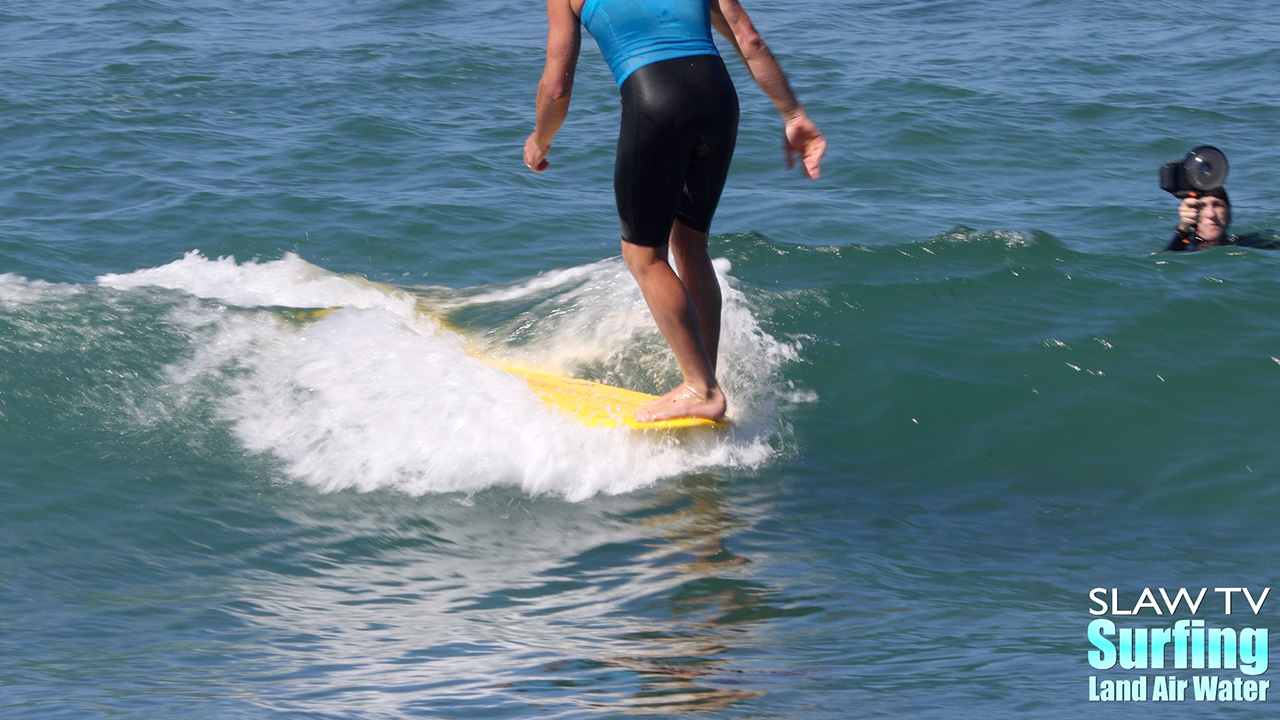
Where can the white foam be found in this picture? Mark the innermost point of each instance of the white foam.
(16, 291)
(596, 314)
(377, 395)
(288, 282)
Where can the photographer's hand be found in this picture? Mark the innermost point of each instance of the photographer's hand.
(1189, 214)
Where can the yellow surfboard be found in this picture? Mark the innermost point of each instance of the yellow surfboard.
(588, 402)
(592, 403)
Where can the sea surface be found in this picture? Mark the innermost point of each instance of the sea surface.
(967, 387)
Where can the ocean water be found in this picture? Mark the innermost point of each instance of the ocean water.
(967, 387)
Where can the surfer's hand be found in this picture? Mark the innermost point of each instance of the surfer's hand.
(1189, 213)
(535, 156)
(802, 139)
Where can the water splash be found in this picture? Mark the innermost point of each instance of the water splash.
(379, 393)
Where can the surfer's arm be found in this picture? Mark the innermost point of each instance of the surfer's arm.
(803, 138)
(564, 40)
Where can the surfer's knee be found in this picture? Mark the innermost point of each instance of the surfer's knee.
(686, 239)
(640, 259)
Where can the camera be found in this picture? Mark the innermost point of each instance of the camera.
(1204, 169)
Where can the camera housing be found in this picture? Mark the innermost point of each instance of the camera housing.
(1204, 169)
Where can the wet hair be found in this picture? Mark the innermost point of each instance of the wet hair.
(1220, 193)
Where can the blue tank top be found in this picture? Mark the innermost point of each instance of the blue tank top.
(635, 33)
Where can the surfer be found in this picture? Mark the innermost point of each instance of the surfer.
(679, 126)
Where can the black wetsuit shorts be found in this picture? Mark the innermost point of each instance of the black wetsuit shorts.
(679, 127)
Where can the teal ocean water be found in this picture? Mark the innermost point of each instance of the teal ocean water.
(968, 389)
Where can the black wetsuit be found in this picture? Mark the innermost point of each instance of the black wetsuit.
(1189, 242)
(679, 113)
(679, 127)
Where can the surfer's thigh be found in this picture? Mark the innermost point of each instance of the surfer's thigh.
(714, 127)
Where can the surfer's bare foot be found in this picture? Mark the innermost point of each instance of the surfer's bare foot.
(684, 402)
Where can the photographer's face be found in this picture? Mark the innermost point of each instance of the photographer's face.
(1215, 215)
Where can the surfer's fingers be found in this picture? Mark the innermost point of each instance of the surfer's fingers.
(805, 140)
(814, 150)
(535, 156)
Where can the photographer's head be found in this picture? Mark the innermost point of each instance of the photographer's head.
(1206, 217)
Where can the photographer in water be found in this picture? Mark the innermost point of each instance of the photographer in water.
(1204, 215)
(1203, 220)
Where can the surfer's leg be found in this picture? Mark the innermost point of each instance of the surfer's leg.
(675, 142)
(693, 262)
(676, 316)
(713, 122)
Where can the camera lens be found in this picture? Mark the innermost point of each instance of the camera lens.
(1206, 168)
